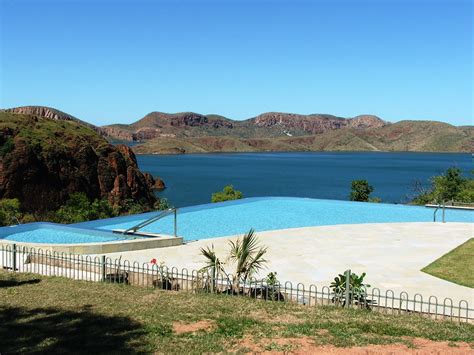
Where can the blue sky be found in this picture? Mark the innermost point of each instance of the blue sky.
(115, 61)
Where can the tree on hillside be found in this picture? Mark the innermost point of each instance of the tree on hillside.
(227, 194)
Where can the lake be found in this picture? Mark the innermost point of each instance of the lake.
(192, 178)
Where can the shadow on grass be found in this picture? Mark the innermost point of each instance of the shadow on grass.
(14, 283)
(50, 330)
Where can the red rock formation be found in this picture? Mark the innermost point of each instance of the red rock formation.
(43, 173)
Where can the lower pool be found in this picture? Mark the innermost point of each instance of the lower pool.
(272, 213)
(49, 233)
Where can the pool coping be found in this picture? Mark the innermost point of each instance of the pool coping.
(127, 244)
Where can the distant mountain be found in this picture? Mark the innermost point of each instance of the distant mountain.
(189, 132)
(267, 125)
(411, 136)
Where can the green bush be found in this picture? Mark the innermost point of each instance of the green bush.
(361, 190)
(79, 209)
(7, 147)
(451, 186)
(9, 211)
(162, 204)
(227, 194)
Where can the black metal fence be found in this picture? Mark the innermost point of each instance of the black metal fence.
(105, 269)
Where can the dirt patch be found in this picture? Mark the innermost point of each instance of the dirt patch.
(305, 345)
(180, 327)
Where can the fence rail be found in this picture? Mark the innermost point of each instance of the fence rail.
(105, 269)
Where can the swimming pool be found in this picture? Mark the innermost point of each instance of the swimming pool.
(272, 213)
(49, 233)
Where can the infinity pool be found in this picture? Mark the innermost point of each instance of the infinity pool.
(236, 217)
(49, 233)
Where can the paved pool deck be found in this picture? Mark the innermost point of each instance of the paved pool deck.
(392, 255)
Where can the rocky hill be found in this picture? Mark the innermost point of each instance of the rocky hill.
(45, 155)
(267, 125)
(189, 132)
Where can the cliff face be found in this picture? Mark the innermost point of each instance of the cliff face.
(44, 160)
(314, 124)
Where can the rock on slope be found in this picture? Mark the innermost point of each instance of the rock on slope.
(45, 156)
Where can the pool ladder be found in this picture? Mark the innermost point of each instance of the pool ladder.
(443, 207)
(161, 215)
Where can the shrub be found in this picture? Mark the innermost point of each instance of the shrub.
(451, 186)
(227, 194)
(361, 190)
(357, 290)
(162, 204)
(9, 211)
(79, 209)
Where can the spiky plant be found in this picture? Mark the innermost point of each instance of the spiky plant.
(213, 265)
(247, 256)
(245, 253)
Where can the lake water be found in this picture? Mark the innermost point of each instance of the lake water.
(192, 178)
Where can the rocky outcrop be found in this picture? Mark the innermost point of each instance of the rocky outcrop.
(43, 161)
(53, 114)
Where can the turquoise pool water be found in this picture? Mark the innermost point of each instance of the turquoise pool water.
(236, 217)
(55, 234)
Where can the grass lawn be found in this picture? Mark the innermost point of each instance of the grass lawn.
(456, 266)
(52, 314)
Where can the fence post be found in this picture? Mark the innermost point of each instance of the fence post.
(175, 222)
(14, 251)
(347, 290)
(102, 267)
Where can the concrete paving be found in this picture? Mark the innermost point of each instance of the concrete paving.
(391, 254)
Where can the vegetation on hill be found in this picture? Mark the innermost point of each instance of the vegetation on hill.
(112, 318)
(227, 194)
(456, 266)
(450, 186)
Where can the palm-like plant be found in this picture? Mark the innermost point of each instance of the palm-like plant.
(245, 253)
(213, 265)
(247, 256)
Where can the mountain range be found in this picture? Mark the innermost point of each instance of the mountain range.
(189, 132)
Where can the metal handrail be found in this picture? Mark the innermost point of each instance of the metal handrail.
(443, 206)
(162, 214)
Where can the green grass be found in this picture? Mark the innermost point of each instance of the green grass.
(50, 314)
(456, 266)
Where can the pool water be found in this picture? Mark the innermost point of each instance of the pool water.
(237, 217)
(49, 233)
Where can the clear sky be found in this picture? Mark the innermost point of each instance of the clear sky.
(114, 61)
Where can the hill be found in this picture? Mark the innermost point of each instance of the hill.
(421, 136)
(44, 159)
(190, 132)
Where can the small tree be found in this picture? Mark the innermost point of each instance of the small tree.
(227, 194)
(361, 190)
(449, 185)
